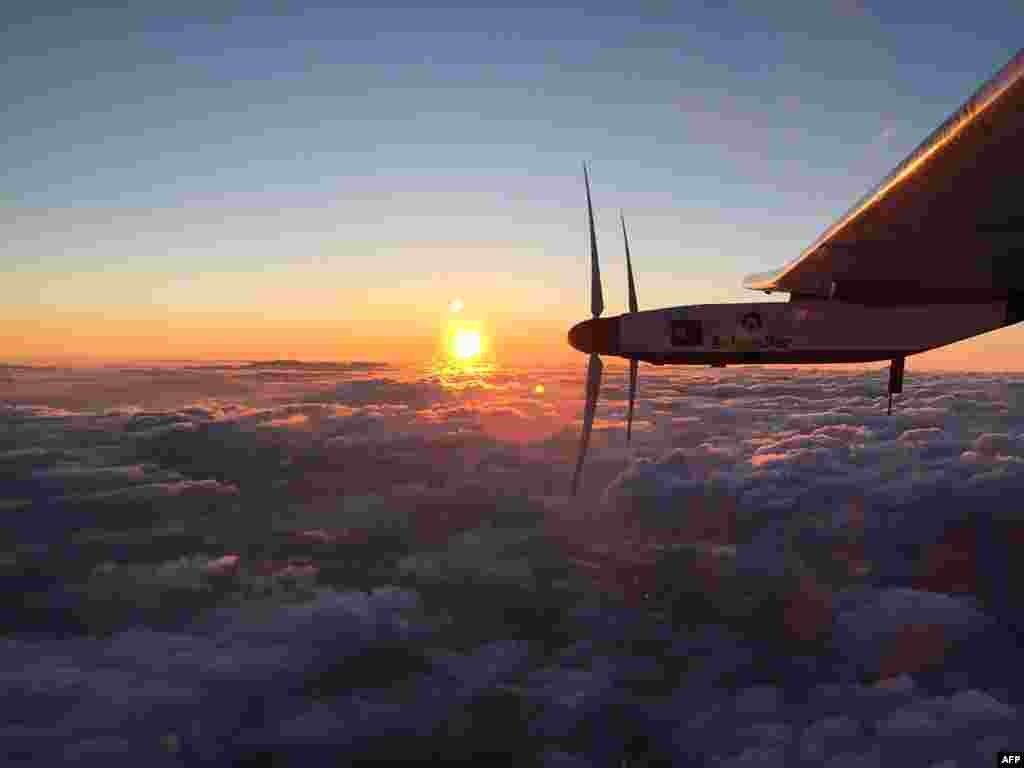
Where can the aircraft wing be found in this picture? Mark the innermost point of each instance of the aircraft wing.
(947, 225)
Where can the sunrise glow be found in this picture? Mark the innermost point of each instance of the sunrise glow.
(466, 344)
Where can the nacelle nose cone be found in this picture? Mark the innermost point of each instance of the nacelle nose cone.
(599, 335)
(579, 336)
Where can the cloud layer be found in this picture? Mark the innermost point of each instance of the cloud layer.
(218, 562)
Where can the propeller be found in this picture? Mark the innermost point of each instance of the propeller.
(633, 362)
(594, 369)
(594, 366)
(595, 336)
(596, 295)
(629, 266)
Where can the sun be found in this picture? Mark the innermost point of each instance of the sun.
(466, 344)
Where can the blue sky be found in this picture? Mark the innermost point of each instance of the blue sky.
(437, 151)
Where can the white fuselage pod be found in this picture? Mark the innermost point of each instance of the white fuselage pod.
(805, 331)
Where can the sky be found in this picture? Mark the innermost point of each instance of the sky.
(289, 563)
(274, 180)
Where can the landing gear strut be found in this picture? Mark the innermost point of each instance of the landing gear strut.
(895, 379)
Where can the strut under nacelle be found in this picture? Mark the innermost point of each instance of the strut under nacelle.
(895, 379)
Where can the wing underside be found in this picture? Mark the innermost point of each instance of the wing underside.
(947, 225)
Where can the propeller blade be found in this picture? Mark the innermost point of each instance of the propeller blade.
(629, 267)
(596, 296)
(633, 364)
(594, 368)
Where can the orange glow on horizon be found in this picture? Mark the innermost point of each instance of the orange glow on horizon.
(400, 336)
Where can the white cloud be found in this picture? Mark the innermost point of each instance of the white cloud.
(790, 501)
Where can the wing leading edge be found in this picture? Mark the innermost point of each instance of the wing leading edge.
(946, 225)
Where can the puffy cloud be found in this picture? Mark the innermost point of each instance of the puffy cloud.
(294, 421)
(153, 491)
(904, 630)
(769, 538)
(998, 444)
(357, 392)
